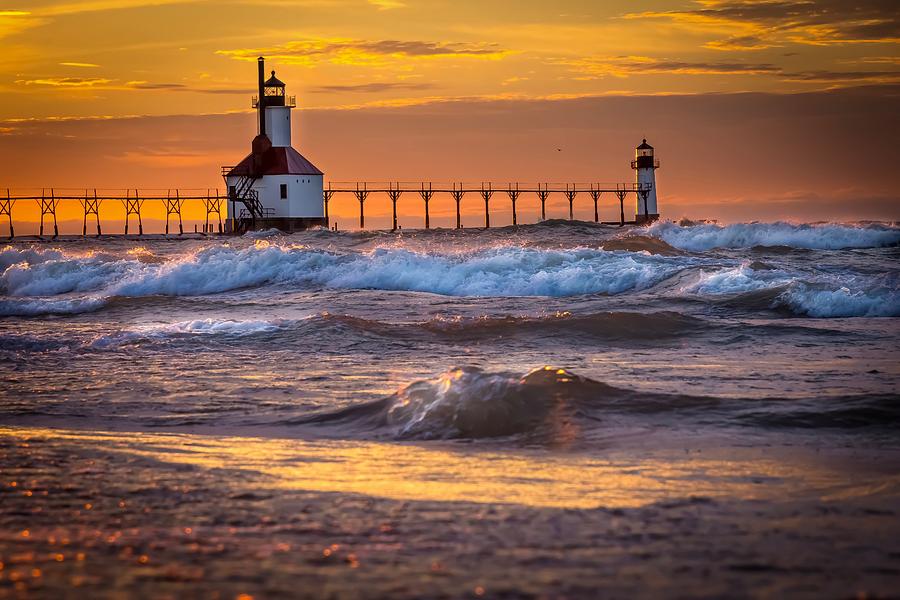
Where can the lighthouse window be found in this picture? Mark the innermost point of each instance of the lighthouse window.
(283, 190)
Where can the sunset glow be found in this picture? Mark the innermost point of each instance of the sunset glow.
(155, 94)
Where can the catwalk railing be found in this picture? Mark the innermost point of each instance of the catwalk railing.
(486, 190)
(132, 201)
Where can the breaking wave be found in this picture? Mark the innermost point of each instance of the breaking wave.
(819, 296)
(829, 236)
(37, 282)
(508, 271)
(550, 404)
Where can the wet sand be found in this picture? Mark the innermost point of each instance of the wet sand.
(121, 515)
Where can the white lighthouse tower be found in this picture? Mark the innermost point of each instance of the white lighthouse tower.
(274, 186)
(645, 165)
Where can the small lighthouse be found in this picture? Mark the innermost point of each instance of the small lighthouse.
(645, 165)
(274, 186)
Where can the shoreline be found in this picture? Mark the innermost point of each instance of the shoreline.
(198, 512)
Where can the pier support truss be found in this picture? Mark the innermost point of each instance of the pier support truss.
(486, 193)
(48, 207)
(394, 195)
(513, 196)
(595, 196)
(457, 197)
(213, 206)
(543, 194)
(6, 206)
(643, 193)
(571, 192)
(326, 196)
(133, 207)
(620, 194)
(426, 193)
(173, 207)
(361, 195)
(91, 206)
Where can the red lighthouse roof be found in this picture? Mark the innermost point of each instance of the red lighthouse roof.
(267, 159)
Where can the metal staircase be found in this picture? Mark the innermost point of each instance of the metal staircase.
(244, 193)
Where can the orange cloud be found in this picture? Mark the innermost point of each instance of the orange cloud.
(312, 51)
(625, 66)
(67, 82)
(812, 22)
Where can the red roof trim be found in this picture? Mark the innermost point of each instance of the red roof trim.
(275, 160)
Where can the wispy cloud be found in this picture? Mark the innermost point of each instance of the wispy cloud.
(387, 4)
(764, 24)
(16, 21)
(879, 77)
(80, 65)
(103, 83)
(625, 66)
(370, 88)
(180, 87)
(67, 82)
(312, 51)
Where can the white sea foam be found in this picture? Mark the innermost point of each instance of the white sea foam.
(737, 280)
(11, 255)
(197, 327)
(29, 307)
(841, 302)
(510, 271)
(36, 282)
(814, 295)
(830, 236)
(267, 233)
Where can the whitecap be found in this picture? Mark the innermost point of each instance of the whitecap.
(826, 236)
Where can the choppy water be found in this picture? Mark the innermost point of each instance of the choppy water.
(748, 328)
(560, 410)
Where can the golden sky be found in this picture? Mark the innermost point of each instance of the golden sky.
(91, 91)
